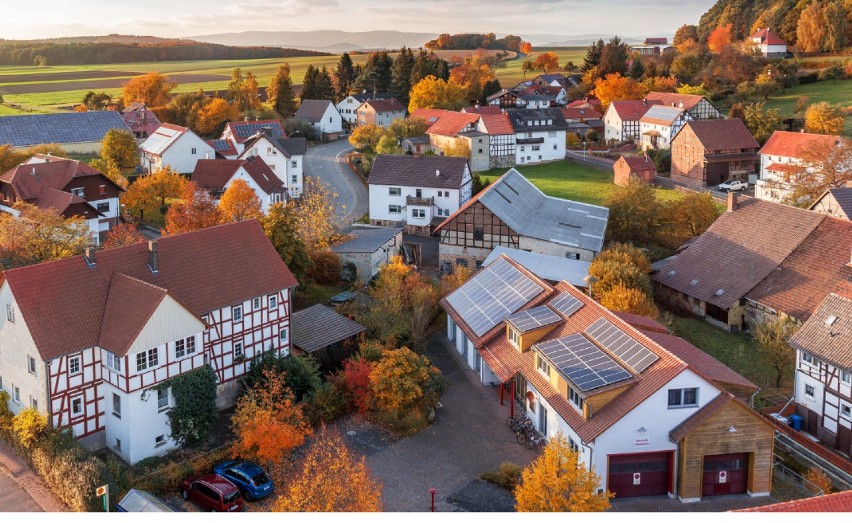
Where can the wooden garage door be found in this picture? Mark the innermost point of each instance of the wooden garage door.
(725, 474)
(632, 475)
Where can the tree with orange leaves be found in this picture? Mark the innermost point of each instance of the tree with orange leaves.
(719, 38)
(546, 62)
(196, 211)
(122, 234)
(617, 87)
(332, 479)
(239, 202)
(525, 48)
(213, 116)
(153, 89)
(268, 422)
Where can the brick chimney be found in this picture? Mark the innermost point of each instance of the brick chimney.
(732, 201)
(89, 257)
(153, 257)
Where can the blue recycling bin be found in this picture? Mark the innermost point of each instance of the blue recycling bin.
(796, 422)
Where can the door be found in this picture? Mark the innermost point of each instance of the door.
(844, 440)
(813, 423)
(632, 475)
(542, 421)
(725, 474)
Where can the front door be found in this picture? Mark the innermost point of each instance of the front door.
(813, 423)
(725, 474)
(844, 440)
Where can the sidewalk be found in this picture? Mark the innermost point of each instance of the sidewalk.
(28, 480)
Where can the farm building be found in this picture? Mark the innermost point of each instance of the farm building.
(74, 132)
(326, 335)
(640, 167)
(367, 249)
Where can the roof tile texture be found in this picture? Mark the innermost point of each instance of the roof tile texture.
(409, 171)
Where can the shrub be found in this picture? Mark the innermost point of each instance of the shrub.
(70, 472)
(5, 415)
(168, 476)
(29, 426)
(623, 299)
(326, 267)
(507, 477)
(326, 404)
(355, 383)
(820, 480)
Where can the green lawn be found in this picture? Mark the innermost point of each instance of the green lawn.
(826, 91)
(572, 181)
(5, 110)
(511, 74)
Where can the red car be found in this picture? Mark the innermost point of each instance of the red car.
(212, 492)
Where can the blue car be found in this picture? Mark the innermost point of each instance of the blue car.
(252, 481)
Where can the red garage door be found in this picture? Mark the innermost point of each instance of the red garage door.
(631, 475)
(725, 474)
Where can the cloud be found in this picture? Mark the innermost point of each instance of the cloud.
(276, 7)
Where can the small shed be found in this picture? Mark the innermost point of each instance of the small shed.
(639, 166)
(329, 337)
(366, 249)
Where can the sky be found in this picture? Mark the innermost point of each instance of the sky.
(182, 18)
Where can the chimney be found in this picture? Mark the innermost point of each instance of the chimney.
(732, 201)
(153, 257)
(644, 101)
(90, 257)
(33, 172)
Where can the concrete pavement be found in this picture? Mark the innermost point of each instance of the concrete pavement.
(327, 163)
(21, 489)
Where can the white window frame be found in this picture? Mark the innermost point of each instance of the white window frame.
(237, 313)
(190, 345)
(575, 399)
(239, 350)
(116, 401)
(418, 213)
(394, 209)
(812, 393)
(160, 440)
(273, 301)
(180, 348)
(284, 334)
(10, 313)
(542, 366)
(163, 405)
(31, 365)
(514, 336)
(76, 358)
(82, 406)
(845, 376)
(681, 398)
(845, 410)
(113, 362)
(394, 191)
(255, 303)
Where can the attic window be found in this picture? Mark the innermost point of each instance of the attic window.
(830, 321)
(693, 282)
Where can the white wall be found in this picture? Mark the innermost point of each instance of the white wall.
(288, 170)
(16, 346)
(553, 147)
(331, 121)
(139, 425)
(348, 109)
(380, 199)
(612, 124)
(265, 199)
(384, 119)
(180, 155)
(526, 243)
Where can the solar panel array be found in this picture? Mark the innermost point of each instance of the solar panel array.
(618, 342)
(532, 319)
(221, 145)
(566, 304)
(492, 295)
(585, 365)
(33, 129)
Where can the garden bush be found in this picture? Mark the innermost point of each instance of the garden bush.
(507, 477)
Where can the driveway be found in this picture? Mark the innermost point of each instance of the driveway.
(469, 437)
(328, 164)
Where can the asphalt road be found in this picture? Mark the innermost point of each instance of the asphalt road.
(326, 162)
(13, 498)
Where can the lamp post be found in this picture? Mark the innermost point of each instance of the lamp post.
(432, 491)
(589, 279)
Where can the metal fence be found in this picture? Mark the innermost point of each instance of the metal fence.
(792, 478)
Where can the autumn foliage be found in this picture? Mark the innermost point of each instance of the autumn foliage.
(435, 93)
(239, 202)
(617, 87)
(196, 211)
(149, 192)
(29, 426)
(39, 235)
(719, 38)
(546, 62)
(404, 382)
(332, 479)
(122, 234)
(354, 380)
(152, 89)
(558, 482)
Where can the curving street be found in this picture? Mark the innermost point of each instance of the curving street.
(327, 163)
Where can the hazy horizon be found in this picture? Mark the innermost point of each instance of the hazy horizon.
(58, 18)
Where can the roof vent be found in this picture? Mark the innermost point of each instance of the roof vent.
(672, 273)
(830, 321)
(437, 172)
(720, 292)
(693, 282)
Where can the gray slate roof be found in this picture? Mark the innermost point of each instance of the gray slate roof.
(288, 146)
(319, 326)
(408, 171)
(546, 267)
(830, 342)
(366, 239)
(843, 197)
(363, 97)
(35, 129)
(313, 110)
(530, 212)
(528, 120)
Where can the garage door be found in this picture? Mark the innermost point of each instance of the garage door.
(725, 474)
(631, 475)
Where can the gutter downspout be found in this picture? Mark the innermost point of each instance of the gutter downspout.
(48, 399)
(751, 399)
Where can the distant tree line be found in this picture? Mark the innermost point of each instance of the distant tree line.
(28, 53)
(476, 41)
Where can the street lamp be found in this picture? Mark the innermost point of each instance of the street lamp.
(589, 281)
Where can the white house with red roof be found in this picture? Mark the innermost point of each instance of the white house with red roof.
(649, 413)
(770, 44)
(782, 155)
(659, 125)
(91, 341)
(698, 107)
(215, 176)
(448, 129)
(173, 146)
(621, 120)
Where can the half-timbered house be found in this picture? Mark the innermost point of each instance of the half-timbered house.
(501, 139)
(92, 341)
(706, 153)
(621, 120)
(698, 107)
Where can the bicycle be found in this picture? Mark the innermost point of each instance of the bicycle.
(518, 422)
(535, 441)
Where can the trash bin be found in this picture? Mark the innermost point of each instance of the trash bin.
(796, 422)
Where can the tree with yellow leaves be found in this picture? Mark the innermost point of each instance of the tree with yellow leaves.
(332, 479)
(434, 93)
(39, 235)
(619, 298)
(149, 192)
(404, 382)
(315, 216)
(29, 426)
(558, 482)
(213, 116)
(239, 202)
(119, 146)
(152, 89)
(824, 118)
(617, 87)
(459, 148)
(546, 62)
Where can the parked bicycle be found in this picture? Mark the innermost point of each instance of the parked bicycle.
(518, 422)
(536, 440)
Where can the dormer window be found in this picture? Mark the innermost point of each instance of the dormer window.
(575, 398)
(542, 366)
(514, 337)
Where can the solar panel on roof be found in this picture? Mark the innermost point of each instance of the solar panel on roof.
(585, 365)
(566, 304)
(618, 342)
(492, 295)
(534, 318)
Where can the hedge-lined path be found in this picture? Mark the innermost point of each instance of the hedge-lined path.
(21, 489)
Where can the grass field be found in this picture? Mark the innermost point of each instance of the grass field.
(836, 93)
(512, 74)
(573, 181)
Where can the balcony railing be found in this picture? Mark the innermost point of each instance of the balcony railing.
(422, 202)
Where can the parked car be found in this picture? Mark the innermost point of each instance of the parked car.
(733, 185)
(212, 492)
(252, 481)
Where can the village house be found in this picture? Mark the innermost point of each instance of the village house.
(621, 120)
(364, 250)
(639, 167)
(558, 80)
(417, 145)
(69, 187)
(581, 120)
(823, 384)
(512, 212)
(448, 129)
(527, 97)
(647, 411)
(175, 147)
(328, 337)
(92, 353)
(417, 193)
(238, 133)
(760, 260)
(140, 119)
(782, 155)
(706, 153)
(75, 132)
(651, 47)
(698, 107)
(215, 176)
(284, 156)
(539, 135)
(348, 107)
(770, 44)
(380, 112)
(322, 115)
(502, 148)
(659, 125)
(835, 202)
(587, 102)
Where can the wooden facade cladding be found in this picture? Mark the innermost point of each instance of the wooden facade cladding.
(530, 338)
(477, 226)
(751, 435)
(596, 402)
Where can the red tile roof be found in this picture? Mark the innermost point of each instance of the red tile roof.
(497, 124)
(782, 167)
(63, 302)
(483, 109)
(60, 201)
(213, 175)
(129, 305)
(632, 109)
(717, 135)
(430, 116)
(575, 113)
(767, 37)
(675, 99)
(814, 269)
(791, 145)
(642, 322)
(589, 101)
(452, 123)
(29, 179)
(829, 342)
(837, 502)
(640, 163)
